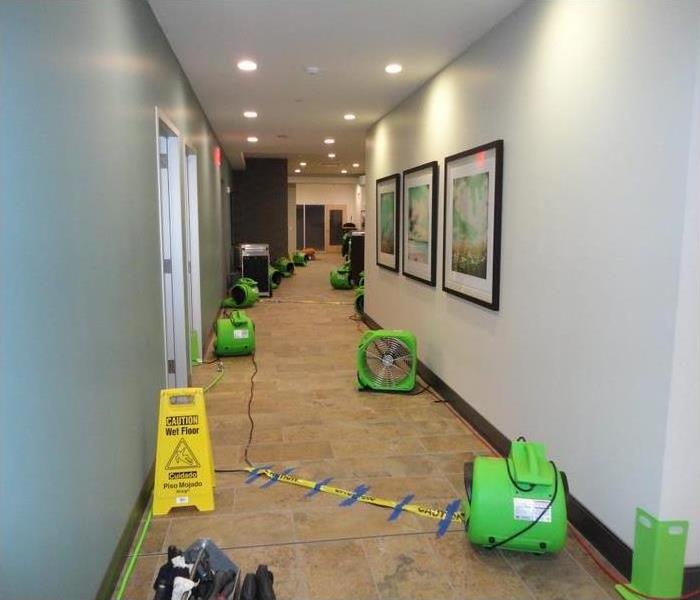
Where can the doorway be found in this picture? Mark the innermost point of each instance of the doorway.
(335, 217)
(311, 229)
(168, 156)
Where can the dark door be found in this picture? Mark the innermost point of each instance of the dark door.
(335, 233)
(315, 226)
(300, 227)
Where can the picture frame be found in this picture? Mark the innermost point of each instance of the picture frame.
(471, 253)
(388, 219)
(419, 222)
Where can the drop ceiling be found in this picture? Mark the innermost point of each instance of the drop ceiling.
(350, 41)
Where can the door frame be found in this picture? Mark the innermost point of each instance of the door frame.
(327, 225)
(176, 364)
(193, 280)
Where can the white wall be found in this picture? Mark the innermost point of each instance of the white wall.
(344, 194)
(594, 103)
(681, 476)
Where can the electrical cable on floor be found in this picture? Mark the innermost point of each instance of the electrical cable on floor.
(199, 363)
(216, 379)
(126, 576)
(250, 418)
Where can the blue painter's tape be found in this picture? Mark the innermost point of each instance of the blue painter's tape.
(356, 493)
(317, 488)
(398, 509)
(275, 478)
(451, 509)
(255, 473)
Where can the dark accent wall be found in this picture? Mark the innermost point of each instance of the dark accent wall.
(259, 204)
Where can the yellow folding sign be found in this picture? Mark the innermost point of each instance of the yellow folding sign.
(184, 469)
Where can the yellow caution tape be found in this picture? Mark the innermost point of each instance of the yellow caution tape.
(416, 509)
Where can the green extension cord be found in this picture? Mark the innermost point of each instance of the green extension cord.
(134, 556)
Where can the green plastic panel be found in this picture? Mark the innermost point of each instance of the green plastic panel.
(659, 557)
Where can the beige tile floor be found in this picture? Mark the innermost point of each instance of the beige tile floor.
(308, 415)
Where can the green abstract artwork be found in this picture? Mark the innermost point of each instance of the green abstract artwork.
(387, 222)
(470, 222)
(418, 223)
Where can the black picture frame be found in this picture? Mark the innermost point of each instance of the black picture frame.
(431, 169)
(396, 180)
(492, 299)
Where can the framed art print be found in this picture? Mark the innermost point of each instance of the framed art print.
(419, 222)
(388, 221)
(472, 235)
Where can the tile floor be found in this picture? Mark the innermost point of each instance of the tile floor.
(308, 415)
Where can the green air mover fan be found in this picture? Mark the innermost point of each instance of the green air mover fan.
(300, 259)
(235, 335)
(284, 266)
(360, 300)
(340, 278)
(518, 503)
(386, 360)
(243, 294)
(275, 277)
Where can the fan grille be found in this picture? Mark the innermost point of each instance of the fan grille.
(388, 361)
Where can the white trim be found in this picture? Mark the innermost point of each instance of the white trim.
(171, 247)
(192, 210)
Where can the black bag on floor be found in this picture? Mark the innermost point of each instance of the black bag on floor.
(265, 579)
(250, 587)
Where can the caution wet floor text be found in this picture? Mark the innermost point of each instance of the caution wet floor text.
(184, 470)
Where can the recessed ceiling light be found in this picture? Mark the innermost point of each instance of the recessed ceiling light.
(247, 65)
(329, 141)
(252, 139)
(250, 114)
(393, 68)
(349, 117)
(297, 170)
(331, 155)
(302, 164)
(343, 171)
(355, 165)
(312, 70)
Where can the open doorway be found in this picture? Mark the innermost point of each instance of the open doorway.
(168, 155)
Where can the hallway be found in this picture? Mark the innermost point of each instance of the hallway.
(524, 201)
(309, 416)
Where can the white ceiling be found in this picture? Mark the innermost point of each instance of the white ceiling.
(350, 40)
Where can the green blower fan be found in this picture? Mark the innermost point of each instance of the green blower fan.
(284, 266)
(360, 300)
(340, 278)
(300, 259)
(386, 360)
(243, 294)
(235, 335)
(518, 503)
(275, 277)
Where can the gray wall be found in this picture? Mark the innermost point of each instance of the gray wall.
(82, 342)
(259, 204)
(594, 101)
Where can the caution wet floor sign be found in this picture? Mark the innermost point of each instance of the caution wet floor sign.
(184, 469)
